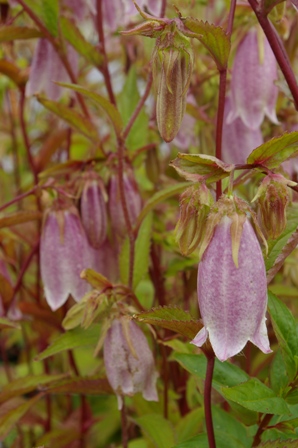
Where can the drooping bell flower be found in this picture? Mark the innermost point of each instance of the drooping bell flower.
(172, 61)
(93, 210)
(133, 203)
(64, 253)
(254, 93)
(129, 361)
(117, 13)
(46, 68)
(273, 197)
(232, 287)
(238, 140)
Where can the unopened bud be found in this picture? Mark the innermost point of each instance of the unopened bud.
(195, 204)
(273, 198)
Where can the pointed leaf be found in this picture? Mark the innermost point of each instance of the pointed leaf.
(73, 118)
(74, 36)
(198, 167)
(277, 150)
(290, 443)
(157, 429)
(255, 396)
(10, 418)
(214, 38)
(286, 331)
(50, 15)
(172, 318)
(6, 323)
(59, 438)
(99, 100)
(19, 218)
(22, 386)
(9, 33)
(70, 340)
(80, 385)
(95, 279)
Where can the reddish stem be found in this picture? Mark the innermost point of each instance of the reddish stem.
(261, 429)
(124, 425)
(17, 198)
(277, 48)
(207, 400)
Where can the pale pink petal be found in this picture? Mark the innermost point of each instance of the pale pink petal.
(93, 212)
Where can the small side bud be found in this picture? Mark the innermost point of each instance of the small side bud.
(273, 198)
(195, 204)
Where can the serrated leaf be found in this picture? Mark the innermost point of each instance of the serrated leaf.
(13, 72)
(225, 373)
(159, 197)
(278, 374)
(277, 150)
(255, 396)
(6, 323)
(285, 329)
(80, 385)
(70, 340)
(172, 318)
(280, 249)
(74, 36)
(158, 430)
(10, 418)
(142, 249)
(99, 100)
(22, 386)
(19, 218)
(214, 38)
(9, 33)
(278, 444)
(72, 117)
(198, 167)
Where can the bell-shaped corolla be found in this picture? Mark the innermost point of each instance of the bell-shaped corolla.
(238, 140)
(129, 361)
(64, 253)
(254, 92)
(46, 68)
(133, 203)
(232, 296)
(93, 210)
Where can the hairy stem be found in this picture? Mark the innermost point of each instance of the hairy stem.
(257, 439)
(219, 122)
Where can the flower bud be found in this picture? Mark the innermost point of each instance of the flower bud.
(273, 198)
(232, 299)
(133, 203)
(129, 361)
(195, 204)
(64, 253)
(93, 210)
(254, 93)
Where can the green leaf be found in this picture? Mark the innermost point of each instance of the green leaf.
(9, 33)
(292, 397)
(99, 100)
(278, 374)
(172, 318)
(72, 117)
(59, 437)
(201, 441)
(158, 430)
(214, 38)
(22, 386)
(279, 444)
(80, 385)
(95, 279)
(198, 167)
(127, 103)
(50, 15)
(277, 150)
(159, 197)
(285, 328)
(188, 425)
(142, 249)
(280, 249)
(70, 340)
(255, 396)
(226, 424)
(225, 373)
(74, 36)
(268, 5)
(4, 322)
(10, 418)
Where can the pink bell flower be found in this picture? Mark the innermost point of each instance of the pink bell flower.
(232, 300)
(64, 253)
(129, 361)
(238, 140)
(254, 93)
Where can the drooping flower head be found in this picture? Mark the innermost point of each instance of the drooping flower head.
(129, 361)
(232, 287)
(93, 210)
(254, 93)
(64, 253)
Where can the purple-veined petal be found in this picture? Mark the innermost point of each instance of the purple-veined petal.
(93, 212)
